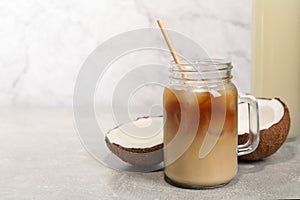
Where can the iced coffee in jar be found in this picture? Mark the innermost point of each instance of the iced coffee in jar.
(200, 130)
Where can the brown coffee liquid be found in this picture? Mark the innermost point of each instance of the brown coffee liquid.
(219, 166)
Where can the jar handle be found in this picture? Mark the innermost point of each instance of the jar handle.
(253, 114)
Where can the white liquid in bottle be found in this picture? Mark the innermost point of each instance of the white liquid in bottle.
(276, 54)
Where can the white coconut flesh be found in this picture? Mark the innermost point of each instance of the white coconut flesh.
(271, 112)
(141, 133)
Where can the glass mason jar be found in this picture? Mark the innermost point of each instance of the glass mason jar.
(200, 130)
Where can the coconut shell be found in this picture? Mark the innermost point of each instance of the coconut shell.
(137, 156)
(270, 139)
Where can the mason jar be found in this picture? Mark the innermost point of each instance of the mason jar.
(200, 131)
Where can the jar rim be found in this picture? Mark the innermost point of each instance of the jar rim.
(199, 71)
(217, 64)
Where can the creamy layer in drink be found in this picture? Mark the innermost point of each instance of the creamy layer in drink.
(209, 119)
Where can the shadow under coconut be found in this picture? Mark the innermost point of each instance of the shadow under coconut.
(113, 162)
(284, 154)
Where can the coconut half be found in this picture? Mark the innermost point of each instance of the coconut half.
(138, 142)
(274, 121)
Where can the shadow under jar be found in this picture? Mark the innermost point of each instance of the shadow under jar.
(200, 130)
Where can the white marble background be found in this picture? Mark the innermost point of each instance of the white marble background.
(44, 42)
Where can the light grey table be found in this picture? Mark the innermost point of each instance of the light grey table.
(41, 157)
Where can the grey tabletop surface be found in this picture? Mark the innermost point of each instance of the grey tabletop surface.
(41, 157)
